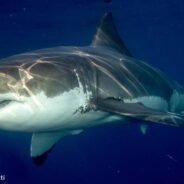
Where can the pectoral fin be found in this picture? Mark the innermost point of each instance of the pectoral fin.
(43, 143)
(140, 111)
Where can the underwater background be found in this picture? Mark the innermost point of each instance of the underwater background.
(154, 32)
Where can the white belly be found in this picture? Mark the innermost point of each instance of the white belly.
(40, 113)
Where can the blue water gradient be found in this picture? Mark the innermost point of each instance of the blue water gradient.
(153, 32)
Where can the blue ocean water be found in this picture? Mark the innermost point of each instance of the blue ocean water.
(154, 32)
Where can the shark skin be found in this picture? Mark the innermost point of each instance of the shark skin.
(61, 91)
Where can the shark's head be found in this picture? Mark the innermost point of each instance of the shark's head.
(13, 107)
(30, 91)
(11, 101)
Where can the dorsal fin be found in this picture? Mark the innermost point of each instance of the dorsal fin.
(107, 35)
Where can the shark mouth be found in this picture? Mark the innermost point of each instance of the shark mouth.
(5, 102)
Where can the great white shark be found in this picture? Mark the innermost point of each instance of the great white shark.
(62, 91)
